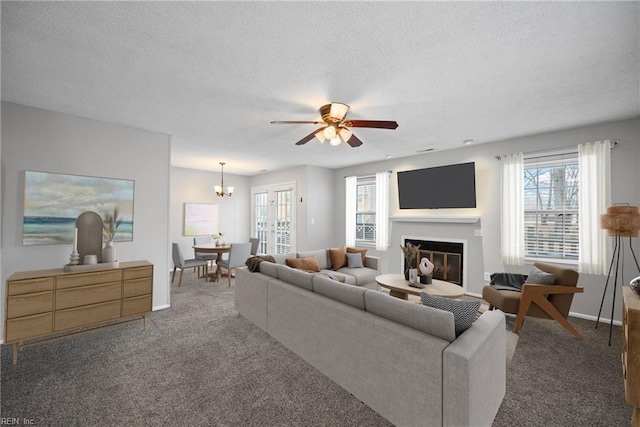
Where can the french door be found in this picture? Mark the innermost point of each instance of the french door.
(273, 218)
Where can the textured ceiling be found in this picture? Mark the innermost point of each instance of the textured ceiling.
(214, 74)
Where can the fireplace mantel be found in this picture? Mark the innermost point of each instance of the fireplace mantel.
(451, 219)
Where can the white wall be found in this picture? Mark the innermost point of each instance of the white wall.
(484, 255)
(40, 140)
(196, 186)
(315, 213)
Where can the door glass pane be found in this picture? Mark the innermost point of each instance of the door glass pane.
(283, 224)
(261, 209)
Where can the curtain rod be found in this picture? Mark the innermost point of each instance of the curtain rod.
(614, 143)
(365, 176)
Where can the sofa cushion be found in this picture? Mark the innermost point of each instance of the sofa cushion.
(321, 255)
(464, 312)
(269, 268)
(354, 261)
(280, 258)
(344, 278)
(348, 294)
(362, 252)
(432, 321)
(309, 263)
(299, 278)
(361, 275)
(338, 257)
(337, 278)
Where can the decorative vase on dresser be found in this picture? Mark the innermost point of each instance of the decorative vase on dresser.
(631, 351)
(109, 252)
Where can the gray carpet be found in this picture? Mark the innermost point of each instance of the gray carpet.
(198, 364)
(201, 364)
(557, 380)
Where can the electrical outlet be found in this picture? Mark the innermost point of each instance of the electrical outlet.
(487, 277)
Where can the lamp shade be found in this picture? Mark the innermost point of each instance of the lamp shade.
(623, 221)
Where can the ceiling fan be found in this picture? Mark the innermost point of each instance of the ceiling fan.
(335, 126)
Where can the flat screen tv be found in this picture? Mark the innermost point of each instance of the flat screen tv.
(442, 187)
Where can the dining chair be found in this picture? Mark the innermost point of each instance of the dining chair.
(209, 257)
(181, 263)
(238, 255)
(255, 244)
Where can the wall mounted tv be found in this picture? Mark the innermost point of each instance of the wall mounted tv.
(451, 186)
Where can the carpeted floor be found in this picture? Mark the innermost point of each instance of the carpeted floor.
(557, 380)
(201, 364)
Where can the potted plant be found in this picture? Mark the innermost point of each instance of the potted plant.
(110, 224)
(410, 252)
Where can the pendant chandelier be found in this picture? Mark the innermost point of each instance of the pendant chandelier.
(220, 190)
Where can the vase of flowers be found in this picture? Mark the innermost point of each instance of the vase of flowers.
(410, 253)
(110, 224)
(218, 239)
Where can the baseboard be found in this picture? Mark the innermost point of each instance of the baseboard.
(161, 307)
(473, 294)
(595, 318)
(571, 313)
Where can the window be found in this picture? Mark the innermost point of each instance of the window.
(366, 210)
(551, 206)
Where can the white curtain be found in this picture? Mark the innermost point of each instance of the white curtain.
(382, 211)
(513, 209)
(350, 210)
(595, 195)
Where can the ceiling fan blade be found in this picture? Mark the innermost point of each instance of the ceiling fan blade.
(276, 122)
(308, 137)
(379, 124)
(354, 141)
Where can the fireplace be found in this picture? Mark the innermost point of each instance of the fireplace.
(446, 256)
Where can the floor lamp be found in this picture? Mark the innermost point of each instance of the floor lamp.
(620, 222)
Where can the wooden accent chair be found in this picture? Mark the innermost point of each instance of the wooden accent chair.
(542, 301)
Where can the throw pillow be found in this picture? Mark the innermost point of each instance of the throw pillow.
(293, 262)
(464, 312)
(338, 258)
(539, 277)
(308, 264)
(354, 261)
(363, 252)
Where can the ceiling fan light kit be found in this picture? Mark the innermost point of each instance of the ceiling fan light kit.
(335, 127)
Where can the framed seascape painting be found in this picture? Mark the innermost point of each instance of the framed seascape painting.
(53, 201)
(200, 219)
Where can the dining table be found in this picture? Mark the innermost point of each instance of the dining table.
(212, 248)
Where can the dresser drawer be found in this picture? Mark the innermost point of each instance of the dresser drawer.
(20, 287)
(136, 305)
(29, 327)
(82, 316)
(138, 287)
(85, 295)
(138, 272)
(27, 304)
(74, 280)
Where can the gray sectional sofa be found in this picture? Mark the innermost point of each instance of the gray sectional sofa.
(400, 358)
(365, 276)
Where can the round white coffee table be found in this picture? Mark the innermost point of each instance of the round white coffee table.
(399, 287)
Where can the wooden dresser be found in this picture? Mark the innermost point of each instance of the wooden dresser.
(631, 351)
(45, 302)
